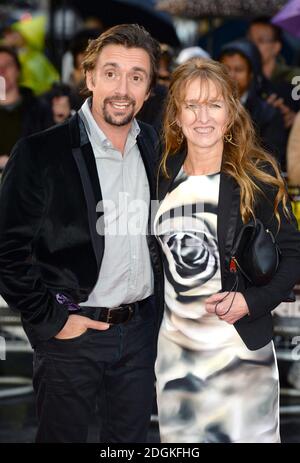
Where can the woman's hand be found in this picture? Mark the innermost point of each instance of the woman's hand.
(238, 309)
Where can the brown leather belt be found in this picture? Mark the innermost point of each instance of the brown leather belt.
(114, 315)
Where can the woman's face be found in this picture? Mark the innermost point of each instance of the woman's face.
(203, 116)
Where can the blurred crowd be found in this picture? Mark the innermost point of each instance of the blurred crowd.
(37, 96)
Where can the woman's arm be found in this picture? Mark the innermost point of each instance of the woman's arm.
(263, 299)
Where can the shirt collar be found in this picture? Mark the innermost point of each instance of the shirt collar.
(95, 133)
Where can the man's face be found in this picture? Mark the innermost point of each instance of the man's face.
(164, 74)
(119, 83)
(61, 108)
(9, 70)
(262, 36)
(239, 71)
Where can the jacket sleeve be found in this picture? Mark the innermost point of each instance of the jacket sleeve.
(22, 209)
(264, 299)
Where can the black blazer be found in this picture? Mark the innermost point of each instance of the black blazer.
(256, 330)
(48, 238)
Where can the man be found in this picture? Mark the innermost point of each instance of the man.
(268, 39)
(62, 102)
(86, 300)
(242, 60)
(21, 114)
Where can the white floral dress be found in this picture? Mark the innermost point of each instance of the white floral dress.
(210, 387)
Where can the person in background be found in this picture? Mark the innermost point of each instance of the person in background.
(243, 62)
(166, 65)
(21, 113)
(76, 79)
(216, 370)
(268, 39)
(61, 102)
(152, 110)
(28, 38)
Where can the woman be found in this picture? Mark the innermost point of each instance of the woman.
(217, 377)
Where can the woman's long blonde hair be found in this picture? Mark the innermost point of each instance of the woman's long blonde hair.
(243, 157)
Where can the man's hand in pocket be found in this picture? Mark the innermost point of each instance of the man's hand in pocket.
(77, 325)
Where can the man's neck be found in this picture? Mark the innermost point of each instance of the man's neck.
(12, 96)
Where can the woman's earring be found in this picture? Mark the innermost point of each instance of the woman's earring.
(179, 137)
(228, 137)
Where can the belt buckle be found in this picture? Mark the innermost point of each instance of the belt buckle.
(109, 316)
(130, 312)
(111, 309)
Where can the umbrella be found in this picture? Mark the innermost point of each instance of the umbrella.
(112, 12)
(220, 8)
(289, 18)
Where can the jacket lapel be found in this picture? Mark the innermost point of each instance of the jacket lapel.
(86, 164)
(174, 164)
(228, 214)
(147, 156)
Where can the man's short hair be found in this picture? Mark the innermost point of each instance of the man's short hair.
(129, 36)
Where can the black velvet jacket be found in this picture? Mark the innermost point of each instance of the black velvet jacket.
(48, 239)
(256, 330)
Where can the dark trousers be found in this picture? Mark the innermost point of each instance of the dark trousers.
(70, 374)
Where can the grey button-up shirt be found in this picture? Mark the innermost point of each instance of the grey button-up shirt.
(126, 274)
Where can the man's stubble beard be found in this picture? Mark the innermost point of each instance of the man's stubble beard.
(114, 120)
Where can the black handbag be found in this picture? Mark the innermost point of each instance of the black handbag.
(256, 255)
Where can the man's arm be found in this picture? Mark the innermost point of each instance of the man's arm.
(22, 209)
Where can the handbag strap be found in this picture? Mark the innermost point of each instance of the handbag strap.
(234, 290)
